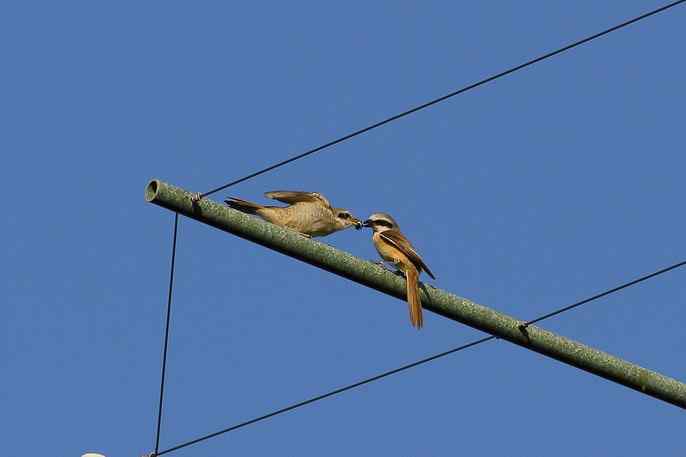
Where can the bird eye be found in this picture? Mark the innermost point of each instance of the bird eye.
(344, 215)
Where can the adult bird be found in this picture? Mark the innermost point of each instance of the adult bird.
(394, 247)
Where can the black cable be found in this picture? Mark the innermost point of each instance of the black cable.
(166, 332)
(329, 394)
(339, 140)
(444, 97)
(602, 294)
(412, 365)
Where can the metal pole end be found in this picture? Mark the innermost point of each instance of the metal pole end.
(151, 190)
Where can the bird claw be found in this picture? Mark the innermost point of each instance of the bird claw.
(383, 265)
(196, 197)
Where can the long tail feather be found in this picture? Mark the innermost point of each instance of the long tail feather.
(413, 301)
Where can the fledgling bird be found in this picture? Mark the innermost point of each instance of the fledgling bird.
(394, 247)
(309, 213)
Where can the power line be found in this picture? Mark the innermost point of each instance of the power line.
(344, 138)
(410, 365)
(602, 294)
(444, 97)
(326, 395)
(166, 331)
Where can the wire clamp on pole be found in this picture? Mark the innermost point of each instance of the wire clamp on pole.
(195, 198)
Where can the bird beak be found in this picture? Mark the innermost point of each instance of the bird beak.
(367, 223)
(357, 223)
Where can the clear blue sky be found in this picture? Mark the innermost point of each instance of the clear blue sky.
(529, 193)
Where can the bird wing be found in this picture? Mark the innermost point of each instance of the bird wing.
(292, 197)
(397, 239)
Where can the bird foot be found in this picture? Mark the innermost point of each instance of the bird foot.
(383, 265)
(195, 198)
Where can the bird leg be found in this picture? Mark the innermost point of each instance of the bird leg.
(382, 264)
(399, 273)
(385, 266)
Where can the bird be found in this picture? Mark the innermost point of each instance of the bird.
(308, 213)
(394, 247)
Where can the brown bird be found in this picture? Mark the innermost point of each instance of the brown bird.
(309, 213)
(394, 247)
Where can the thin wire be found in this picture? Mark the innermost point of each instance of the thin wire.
(411, 365)
(329, 394)
(444, 97)
(602, 294)
(344, 138)
(166, 332)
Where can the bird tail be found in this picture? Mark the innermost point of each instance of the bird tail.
(243, 205)
(413, 301)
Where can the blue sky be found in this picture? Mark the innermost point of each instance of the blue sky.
(526, 194)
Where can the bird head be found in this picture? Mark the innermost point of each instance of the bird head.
(380, 222)
(345, 219)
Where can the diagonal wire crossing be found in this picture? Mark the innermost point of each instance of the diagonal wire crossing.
(347, 137)
(418, 362)
(445, 97)
(166, 332)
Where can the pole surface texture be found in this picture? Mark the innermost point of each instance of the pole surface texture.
(444, 303)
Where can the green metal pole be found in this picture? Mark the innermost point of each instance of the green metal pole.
(444, 303)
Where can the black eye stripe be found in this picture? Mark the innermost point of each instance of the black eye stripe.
(384, 223)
